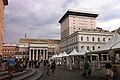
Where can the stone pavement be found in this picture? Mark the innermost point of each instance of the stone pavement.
(64, 74)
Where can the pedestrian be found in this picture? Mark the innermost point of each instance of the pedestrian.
(53, 67)
(30, 63)
(10, 66)
(48, 68)
(86, 69)
(39, 62)
(44, 64)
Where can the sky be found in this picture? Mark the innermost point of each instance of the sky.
(39, 18)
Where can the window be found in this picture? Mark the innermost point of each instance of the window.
(98, 39)
(104, 39)
(108, 38)
(98, 46)
(87, 47)
(82, 47)
(93, 48)
(87, 38)
(76, 47)
(92, 38)
(81, 38)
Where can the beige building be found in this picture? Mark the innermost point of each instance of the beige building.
(78, 30)
(73, 21)
(37, 49)
(3, 3)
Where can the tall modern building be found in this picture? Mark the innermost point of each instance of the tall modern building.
(78, 30)
(73, 21)
(3, 3)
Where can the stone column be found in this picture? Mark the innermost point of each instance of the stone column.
(43, 54)
(36, 54)
(46, 54)
(40, 56)
(33, 54)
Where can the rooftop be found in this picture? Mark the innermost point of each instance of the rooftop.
(78, 13)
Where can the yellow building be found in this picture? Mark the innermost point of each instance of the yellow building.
(3, 3)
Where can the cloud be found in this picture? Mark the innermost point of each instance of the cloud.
(39, 18)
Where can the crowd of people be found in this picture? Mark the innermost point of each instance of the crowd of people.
(15, 65)
(49, 67)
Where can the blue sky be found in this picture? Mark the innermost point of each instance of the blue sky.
(39, 18)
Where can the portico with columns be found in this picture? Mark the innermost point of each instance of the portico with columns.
(38, 54)
(38, 51)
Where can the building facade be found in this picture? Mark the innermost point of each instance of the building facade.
(37, 49)
(78, 30)
(3, 3)
(9, 50)
(91, 39)
(73, 21)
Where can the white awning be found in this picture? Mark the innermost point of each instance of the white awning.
(65, 54)
(73, 53)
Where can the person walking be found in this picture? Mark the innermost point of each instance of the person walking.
(53, 67)
(48, 68)
(86, 69)
(10, 65)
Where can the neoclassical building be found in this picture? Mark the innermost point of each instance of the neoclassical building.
(3, 3)
(37, 49)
